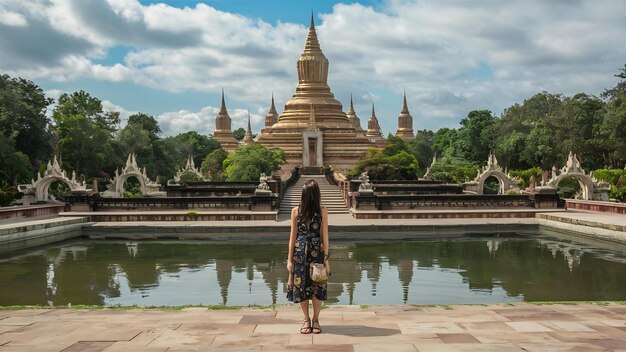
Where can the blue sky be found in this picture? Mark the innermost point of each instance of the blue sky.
(172, 58)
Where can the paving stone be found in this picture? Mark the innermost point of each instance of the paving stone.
(377, 347)
(416, 328)
(88, 346)
(615, 323)
(567, 326)
(277, 329)
(457, 338)
(387, 328)
(487, 326)
(330, 339)
(217, 328)
(562, 347)
(51, 347)
(125, 346)
(176, 338)
(469, 347)
(264, 319)
(245, 341)
(523, 326)
(496, 337)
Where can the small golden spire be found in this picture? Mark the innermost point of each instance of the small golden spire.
(351, 111)
(247, 138)
(405, 108)
(312, 44)
(405, 121)
(223, 107)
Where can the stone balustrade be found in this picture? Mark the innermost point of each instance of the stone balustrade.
(596, 206)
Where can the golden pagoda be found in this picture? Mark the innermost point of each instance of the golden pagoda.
(374, 131)
(223, 132)
(248, 138)
(356, 122)
(313, 130)
(271, 118)
(405, 122)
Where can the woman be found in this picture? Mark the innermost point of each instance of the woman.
(308, 243)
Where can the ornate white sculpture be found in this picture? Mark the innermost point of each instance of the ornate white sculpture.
(148, 187)
(263, 188)
(365, 185)
(189, 167)
(591, 188)
(38, 190)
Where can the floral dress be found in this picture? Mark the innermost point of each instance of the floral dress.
(308, 249)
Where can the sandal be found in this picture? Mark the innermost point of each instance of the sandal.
(316, 329)
(306, 327)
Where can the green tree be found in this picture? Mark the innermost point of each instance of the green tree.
(422, 148)
(23, 117)
(239, 133)
(85, 133)
(196, 144)
(141, 136)
(519, 124)
(613, 132)
(577, 127)
(610, 94)
(147, 123)
(213, 163)
(379, 166)
(248, 162)
(477, 135)
(444, 142)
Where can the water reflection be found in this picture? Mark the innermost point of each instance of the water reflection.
(445, 271)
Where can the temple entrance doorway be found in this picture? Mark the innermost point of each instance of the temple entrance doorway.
(312, 149)
(312, 152)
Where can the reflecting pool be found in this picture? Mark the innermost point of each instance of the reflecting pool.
(486, 269)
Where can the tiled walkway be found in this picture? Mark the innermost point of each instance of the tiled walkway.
(519, 327)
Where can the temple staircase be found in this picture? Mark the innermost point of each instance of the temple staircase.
(331, 196)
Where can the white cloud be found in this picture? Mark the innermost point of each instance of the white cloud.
(176, 122)
(451, 56)
(12, 19)
(124, 114)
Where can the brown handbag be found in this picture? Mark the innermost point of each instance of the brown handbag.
(318, 273)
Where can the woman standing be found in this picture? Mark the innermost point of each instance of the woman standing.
(308, 243)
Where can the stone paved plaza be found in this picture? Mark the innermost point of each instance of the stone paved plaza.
(500, 327)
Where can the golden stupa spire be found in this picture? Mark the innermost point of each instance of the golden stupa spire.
(247, 138)
(223, 107)
(223, 132)
(313, 89)
(356, 122)
(405, 108)
(405, 121)
(312, 44)
(272, 116)
(373, 127)
(351, 111)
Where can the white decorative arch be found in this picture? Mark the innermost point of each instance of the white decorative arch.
(492, 169)
(189, 167)
(116, 188)
(37, 191)
(592, 189)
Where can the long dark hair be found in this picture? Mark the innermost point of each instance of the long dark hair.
(310, 201)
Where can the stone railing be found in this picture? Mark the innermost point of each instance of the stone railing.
(205, 189)
(596, 206)
(216, 203)
(412, 187)
(453, 201)
(30, 211)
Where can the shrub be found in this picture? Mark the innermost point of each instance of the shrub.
(524, 176)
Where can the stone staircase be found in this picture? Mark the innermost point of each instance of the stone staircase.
(331, 196)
